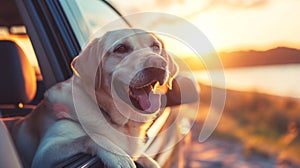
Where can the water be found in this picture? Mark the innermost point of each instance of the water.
(280, 80)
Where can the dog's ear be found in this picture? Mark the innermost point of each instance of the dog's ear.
(86, 64)
(172, 65)
(182, 90)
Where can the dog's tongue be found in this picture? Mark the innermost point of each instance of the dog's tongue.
(149, 103)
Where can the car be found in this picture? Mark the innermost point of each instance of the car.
(39, 39)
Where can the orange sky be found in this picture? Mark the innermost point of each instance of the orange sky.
(233, 24)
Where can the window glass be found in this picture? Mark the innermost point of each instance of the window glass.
(86, 17)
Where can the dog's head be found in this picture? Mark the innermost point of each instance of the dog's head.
(131, 71)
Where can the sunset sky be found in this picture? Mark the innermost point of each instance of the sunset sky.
(232, 24)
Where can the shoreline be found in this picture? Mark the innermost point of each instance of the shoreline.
(277, 80)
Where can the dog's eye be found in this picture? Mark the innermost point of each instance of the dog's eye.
(121, 49)
(155, 46)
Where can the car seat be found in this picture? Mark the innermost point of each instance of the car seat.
(18, 83)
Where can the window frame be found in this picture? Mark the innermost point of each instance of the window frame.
(79, 22)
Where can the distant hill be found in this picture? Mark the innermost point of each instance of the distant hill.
(275, 56)
(279, 55)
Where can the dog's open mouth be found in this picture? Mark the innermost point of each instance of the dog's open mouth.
(145, 90)
(148, 97)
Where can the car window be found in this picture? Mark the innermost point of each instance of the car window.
(86, 17)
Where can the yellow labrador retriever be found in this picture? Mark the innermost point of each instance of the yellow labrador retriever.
(105, 108)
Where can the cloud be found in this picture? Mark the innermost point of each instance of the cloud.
(167, 3)
(207, 4)
(186, 7)
(191, 8)
(237, 3)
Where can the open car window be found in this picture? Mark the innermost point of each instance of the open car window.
(86, 17)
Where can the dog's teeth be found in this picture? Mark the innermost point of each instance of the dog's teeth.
(156, 85)
(159, 89)
(169, 84)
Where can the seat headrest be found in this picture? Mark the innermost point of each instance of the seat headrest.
(17, 76)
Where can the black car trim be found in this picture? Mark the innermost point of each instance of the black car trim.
(37, 35)
(66, 30)
(83, 30)
(62, 53)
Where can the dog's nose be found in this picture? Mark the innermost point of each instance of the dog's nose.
(157, 62)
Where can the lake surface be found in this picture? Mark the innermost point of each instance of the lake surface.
(281, 80)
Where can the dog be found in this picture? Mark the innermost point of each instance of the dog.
(117, 91)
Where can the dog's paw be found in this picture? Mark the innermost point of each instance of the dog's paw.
(110, 154)
(112, 160)
(147, 162)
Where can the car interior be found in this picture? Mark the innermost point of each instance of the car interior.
(22, 86)
(18, 86)
(20, 89)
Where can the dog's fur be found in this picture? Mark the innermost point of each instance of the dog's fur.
(85, 115)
